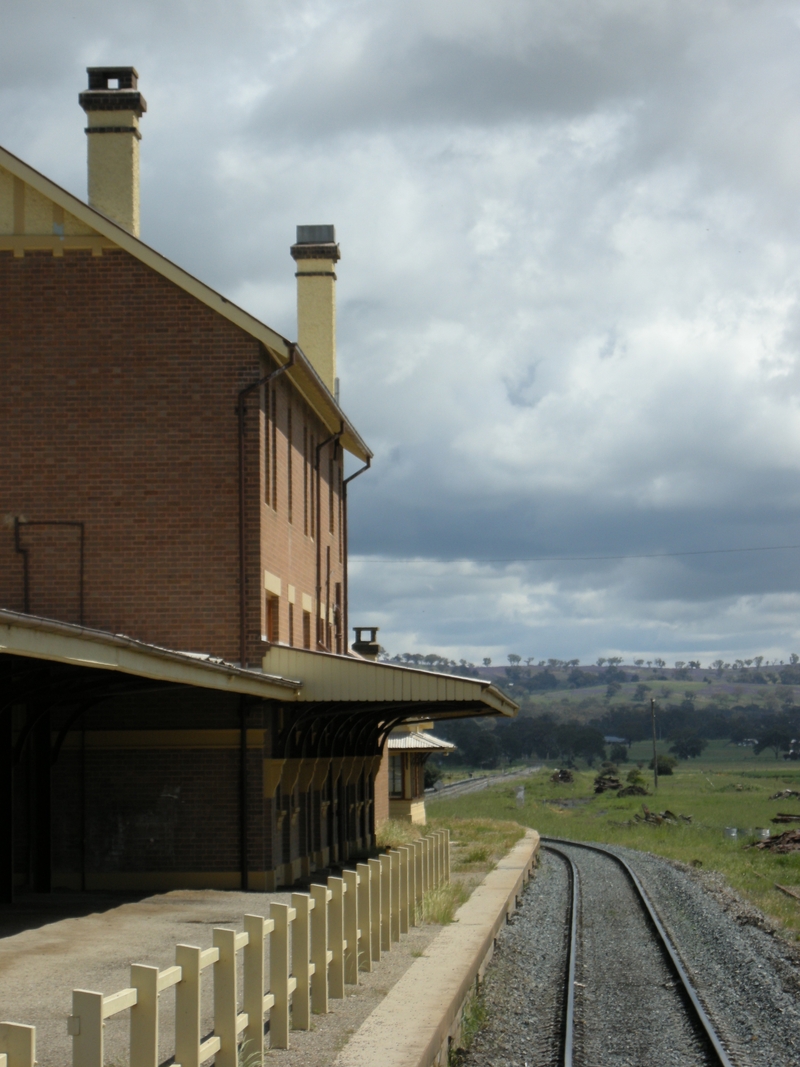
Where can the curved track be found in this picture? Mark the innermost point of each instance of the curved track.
(713, 1051)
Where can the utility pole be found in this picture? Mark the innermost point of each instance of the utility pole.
(655, 754)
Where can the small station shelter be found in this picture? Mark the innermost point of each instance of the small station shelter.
(408, 749)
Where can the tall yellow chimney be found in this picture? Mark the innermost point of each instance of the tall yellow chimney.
(113, 107)
(315, 253)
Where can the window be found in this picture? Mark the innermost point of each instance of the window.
(341, 516)
(273, 619)
(306, 629)
(289, 462)
(291, 625)
(275, 449)
(330, 494)
(337, 617)
(395, 776)
(312, 493)
(305, 480)
(267, 449)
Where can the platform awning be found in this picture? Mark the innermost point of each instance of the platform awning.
(349, 679)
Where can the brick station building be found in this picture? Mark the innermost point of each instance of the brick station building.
(179, 704)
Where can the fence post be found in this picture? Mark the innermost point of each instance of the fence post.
(18, 1044)
(320, 954)
(281, 984)
(337, 933)
(440, 838)
(364, 872)
(386, 902)
(352, 933)
(302, 967)
(394, 866)
(377, 908)
(226, 998)
(144, 1016)
(434, 859)
(254, 1001)
(447, 856)
(419, 882)
(404, 869)
(86, 1026)
(187, 1007)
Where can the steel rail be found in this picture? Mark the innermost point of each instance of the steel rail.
(568, 1029)
(664, 939)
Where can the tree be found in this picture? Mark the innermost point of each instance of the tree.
(777, 738)
(614, 661)
(758, 660)
(487, 661)
(601, 661)
(794, 658)
(619, 753)
(659, 662)
(680, 664)
(638, 663)
(694, 664)
(578, 679)
(666, 764)
(688, 744)
(514, 659)
(718, 665)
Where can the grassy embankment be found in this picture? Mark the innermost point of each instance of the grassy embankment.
(725, 787)
(476, 846)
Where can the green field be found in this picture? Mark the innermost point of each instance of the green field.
(727, 787)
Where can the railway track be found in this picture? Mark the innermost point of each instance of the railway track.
(642, 1007)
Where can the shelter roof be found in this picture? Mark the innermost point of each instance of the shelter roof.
(289, 675)
(418, 742)
(103, 233)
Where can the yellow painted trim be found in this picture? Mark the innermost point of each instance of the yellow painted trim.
(303, 375)
(26, 635)
(160, 739)
(168, 880)
(308, 604)
(291, 594)
(272, 583)
(21, 243)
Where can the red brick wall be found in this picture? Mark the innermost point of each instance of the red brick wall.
(118, 409)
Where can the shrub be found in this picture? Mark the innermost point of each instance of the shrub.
(666, 764)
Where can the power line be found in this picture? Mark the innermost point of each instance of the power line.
(579, 559)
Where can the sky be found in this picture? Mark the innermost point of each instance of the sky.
(568, 317)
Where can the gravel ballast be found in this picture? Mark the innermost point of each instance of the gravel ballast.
(746, 975)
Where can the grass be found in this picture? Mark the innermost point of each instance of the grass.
(716, 792)
(476, 846)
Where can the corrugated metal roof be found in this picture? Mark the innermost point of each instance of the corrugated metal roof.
(63, 642)
(418, 742)
(349, 679)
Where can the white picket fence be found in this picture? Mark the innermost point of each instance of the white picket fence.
(317, 945)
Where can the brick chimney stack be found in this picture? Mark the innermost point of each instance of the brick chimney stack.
(113, 106)
(316, 253)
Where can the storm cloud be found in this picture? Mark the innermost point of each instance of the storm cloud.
(568, 295)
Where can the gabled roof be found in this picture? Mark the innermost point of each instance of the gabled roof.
(302, 374)
(418, 742)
